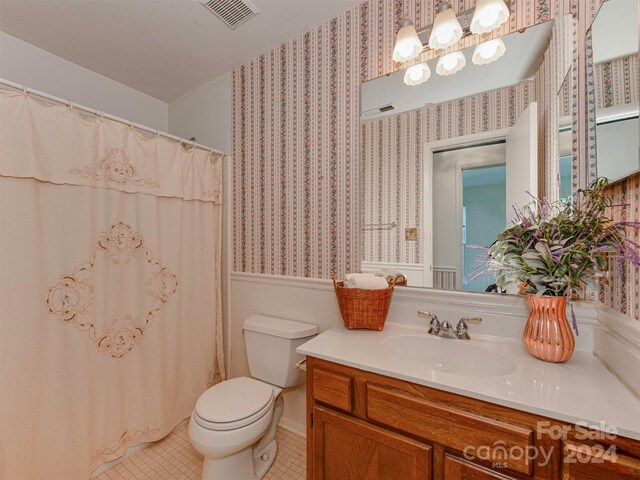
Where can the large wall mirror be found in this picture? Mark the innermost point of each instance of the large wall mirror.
(445, 161)
(614, 80)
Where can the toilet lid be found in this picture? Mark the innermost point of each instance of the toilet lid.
(233, 400)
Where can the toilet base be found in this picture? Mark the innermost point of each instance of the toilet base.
(244, 465)
(263, 460)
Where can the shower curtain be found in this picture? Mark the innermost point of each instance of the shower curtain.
(110, 317)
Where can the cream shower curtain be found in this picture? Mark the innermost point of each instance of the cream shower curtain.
(110, 318)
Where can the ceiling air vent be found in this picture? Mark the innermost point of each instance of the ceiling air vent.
(378, 110)
(232, 12)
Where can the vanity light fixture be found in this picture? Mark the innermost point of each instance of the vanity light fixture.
(488, 52)
(450, 64)
(446, 28)
(417, 74)
(408, 45)
(488, 16)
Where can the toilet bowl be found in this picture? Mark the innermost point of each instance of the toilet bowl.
(227, 423)
(234, 422)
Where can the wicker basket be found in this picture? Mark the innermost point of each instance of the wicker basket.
(363, 309)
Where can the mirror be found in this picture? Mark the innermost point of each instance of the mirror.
(615, 83)
(445, 161)
(565, 138)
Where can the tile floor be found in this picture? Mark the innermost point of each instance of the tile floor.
(173, 458)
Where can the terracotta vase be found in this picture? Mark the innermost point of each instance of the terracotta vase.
(547, 334)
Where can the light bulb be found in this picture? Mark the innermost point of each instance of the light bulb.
(488, 16)
(451, 63)
(446, 28)
(408, 45)
(417, 74)
(488, 52)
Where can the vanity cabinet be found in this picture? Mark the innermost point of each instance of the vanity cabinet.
(584, 462)
(365, 426)
(457, 469)
(378, 453)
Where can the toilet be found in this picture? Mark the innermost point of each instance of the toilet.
(234, 422)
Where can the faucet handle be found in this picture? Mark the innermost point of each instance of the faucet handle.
(434, 324)
(461, 328)
(424, 313)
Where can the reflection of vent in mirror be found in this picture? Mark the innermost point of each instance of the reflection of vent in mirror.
(232, 12)
(378, 110)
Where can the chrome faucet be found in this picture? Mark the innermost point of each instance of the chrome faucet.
(444, 328)
(434, 324)
(461, 328)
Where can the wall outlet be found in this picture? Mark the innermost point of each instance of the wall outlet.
(411, 234)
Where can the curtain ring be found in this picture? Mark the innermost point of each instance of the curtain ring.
(70, 105)
(102, 115)
(25, 90)
(131, 125)
(157, 133)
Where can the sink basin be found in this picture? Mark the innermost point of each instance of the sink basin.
(447, 355)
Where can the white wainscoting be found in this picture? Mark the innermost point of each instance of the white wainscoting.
(617, 345)
(444, 278)
(313, 301)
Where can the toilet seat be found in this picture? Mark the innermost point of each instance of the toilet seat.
(233, 404)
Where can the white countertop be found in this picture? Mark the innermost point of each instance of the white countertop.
(580, 390)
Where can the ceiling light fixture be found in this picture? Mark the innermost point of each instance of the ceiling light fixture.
(488, 16)
(450, 64)
(488, 52)
(417, 74)
(408, 46)
(446, 28)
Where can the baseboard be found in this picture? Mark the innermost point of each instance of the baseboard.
(617, 346)
(296, 428)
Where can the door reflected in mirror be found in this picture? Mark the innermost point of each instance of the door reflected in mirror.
(449, 158)
(565, 139)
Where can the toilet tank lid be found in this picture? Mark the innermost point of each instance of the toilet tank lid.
(279, 327)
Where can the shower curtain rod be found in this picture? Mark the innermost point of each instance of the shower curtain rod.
(96, 112)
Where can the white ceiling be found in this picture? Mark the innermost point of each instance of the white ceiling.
(524, 53)
(164, 48)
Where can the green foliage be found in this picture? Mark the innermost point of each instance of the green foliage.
(553, 248)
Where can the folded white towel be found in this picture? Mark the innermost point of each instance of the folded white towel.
(350, 278)
(368, 282)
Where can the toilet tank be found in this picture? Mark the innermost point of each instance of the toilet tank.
(271, 348)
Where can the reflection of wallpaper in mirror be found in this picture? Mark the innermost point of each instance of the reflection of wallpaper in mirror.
(617, 82)
(565, 99)
(622, 291)
(392, 153)
(549, 80)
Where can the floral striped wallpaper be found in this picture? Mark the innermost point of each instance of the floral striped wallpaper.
(548, 81)
(296, 132)
(296, 169)
(617, 82)
(623, 289)
(392, 162)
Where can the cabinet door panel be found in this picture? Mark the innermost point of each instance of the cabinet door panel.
(456, 469)
(346, 448)
(582, 462)
(333, 389)
(452, 427)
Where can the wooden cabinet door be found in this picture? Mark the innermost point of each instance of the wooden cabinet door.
(345, 448)
(457, 469)
(582, 462)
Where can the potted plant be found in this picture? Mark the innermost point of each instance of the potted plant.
(550, 252)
